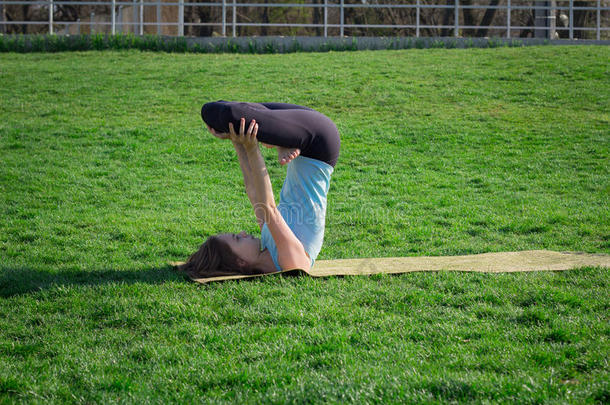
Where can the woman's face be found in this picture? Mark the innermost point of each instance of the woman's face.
(247, 247)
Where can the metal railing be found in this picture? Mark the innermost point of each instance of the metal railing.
(545, 16)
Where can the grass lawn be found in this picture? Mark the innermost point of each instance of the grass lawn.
(106, 174)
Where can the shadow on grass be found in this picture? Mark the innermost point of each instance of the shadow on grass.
(23, 280)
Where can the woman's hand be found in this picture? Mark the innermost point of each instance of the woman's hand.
(219, 135)
(248, 139)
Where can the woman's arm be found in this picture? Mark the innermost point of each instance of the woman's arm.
(291, 253)
(245, 169)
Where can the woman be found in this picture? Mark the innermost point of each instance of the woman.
(293, 231)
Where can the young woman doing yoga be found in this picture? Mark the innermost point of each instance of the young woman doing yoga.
(292, 232)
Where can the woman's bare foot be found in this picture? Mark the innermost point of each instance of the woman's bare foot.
(285, 155)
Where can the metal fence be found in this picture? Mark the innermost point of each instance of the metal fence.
(115, 21)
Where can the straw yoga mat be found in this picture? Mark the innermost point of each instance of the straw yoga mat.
(502, 262)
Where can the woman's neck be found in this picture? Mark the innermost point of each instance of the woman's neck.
(265, 262)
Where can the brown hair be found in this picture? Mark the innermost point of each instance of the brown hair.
(215, 258)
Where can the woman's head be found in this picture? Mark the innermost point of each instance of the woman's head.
(224, 255)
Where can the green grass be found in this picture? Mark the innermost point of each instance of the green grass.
(106, 175)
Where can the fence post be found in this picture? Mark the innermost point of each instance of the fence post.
(325, 18)
(91, 23)
(571, 19)
(507, 18)
(224, 18)
(141, 17)
(417, 19)
(341, 22)
(234, 17)
(599, 19)
(50, 16)
(181, 18)
(552, 20)
(158, 17)
(456, 32)
(113, 18)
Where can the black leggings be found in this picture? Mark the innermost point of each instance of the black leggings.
(279, 124)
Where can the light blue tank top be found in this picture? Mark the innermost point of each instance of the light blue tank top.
(303, 205)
